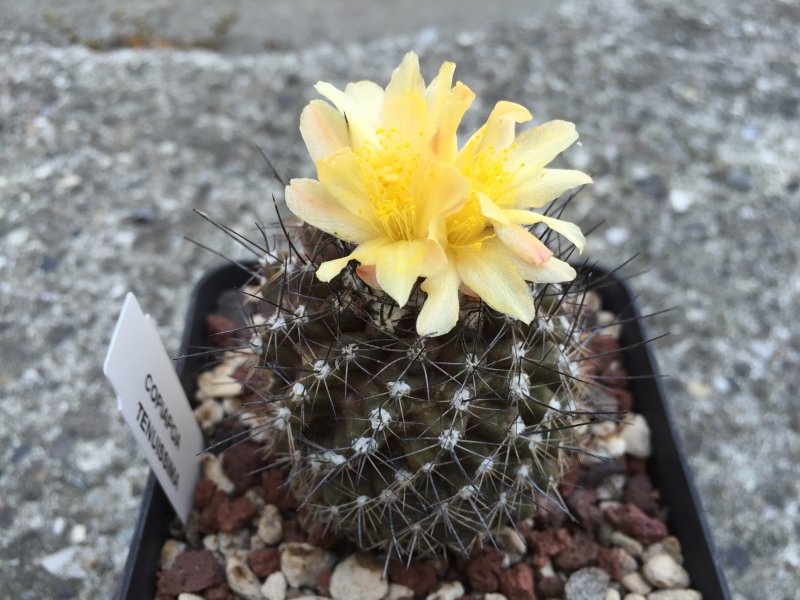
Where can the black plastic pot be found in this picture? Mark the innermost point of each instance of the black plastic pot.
(668, 467)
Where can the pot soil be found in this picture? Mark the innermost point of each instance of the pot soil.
(639, 526)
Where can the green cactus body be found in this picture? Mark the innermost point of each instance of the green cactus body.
(407, 444)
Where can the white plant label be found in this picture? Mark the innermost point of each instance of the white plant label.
(154, 405)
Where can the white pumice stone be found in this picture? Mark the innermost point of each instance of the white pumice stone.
(359, 577)
(270, 525)
(302, 563)
(240, 578)
(274, 587)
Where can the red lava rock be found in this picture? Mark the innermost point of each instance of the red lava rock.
(606, 349)
(192, 571)
(324, 583)
(639, 491)
(550, 587)
(232, 515)
(208, 521)
(220, 331)
(635, 465)
(615, 378)
(544, 544)
(624, 398)
(483, 570)
(583, 503)
(239, 462)
(420, 576)
(204, 493)
(264, 562)
(272, 481)
(599, 471)
(572, 475)
(629, 519)
(221, 592)
(608, 559)
(322, 538)
(580, 553)
(517, 583)
(550, 516)
(293, 531)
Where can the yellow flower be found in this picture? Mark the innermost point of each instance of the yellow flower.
(381, 183)
(393, 181)
(488, 248)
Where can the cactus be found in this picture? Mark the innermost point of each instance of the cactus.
(407, 443)
(428, 396)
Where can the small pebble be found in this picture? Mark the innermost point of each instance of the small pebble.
(612, 594)
(212, 469)
(590, 583)
(680, 200)
(274, 587)
(636, 434)
(169, 552)
(218, 383)
(634, 597)
(77, 535)
(675, 595)
(359, 577)
(211, 542)
(494, 596)
(208, 414)
(240, 578)
(449, 590)
(669, 545)
(627, 543)
(511, 541)
(663, 572)
(634, 582)
(397, 592)
(270, 525)
(627, 564)
(187, 596)
(301, 563)
(58, 526)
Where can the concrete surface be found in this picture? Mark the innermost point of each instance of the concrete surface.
(689, 117)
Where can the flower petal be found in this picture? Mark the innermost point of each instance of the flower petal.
(523, 243)
(445, 142)
(536, 147)
(366, 253)
(362, 123)
(490, 274)
(331, 268)
(438, 91)
(490, 210)
(498, 132)
(566, 228)
(367, 275)
(399, 264)
(309, 200)
(341, 175)
(406, 78)
(323, 128)
(404, 108)
(546, 185)
(368, 95)
(552, 270)
(442, 193)
(439, 313)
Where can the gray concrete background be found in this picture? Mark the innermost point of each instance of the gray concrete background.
(689, 121)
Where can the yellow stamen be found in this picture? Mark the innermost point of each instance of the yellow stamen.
(388, 170)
